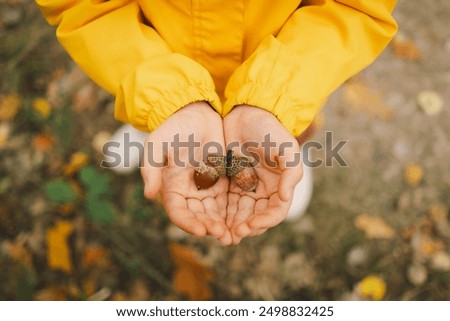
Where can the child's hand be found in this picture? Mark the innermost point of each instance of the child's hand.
(199, 212)
(252, 213)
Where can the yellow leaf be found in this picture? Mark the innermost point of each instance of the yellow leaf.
(430, 102)
(42, 107)
(58, 252)
(372, 287)
(374, 227)
(413, 174)
(9, 106)
(77, 161)
(359, 97)
(191, 277)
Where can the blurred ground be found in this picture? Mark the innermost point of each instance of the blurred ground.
(377, 229)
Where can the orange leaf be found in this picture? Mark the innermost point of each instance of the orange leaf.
(66, 209)
(9, 106)
(374, 227)
(58, 252)
(5, 130)
(43, 142)
(359, 97)
(406, 49)
(92, 254)
(191, 277)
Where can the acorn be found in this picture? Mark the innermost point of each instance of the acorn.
(237, 168)
(242, 172)
(205, 176)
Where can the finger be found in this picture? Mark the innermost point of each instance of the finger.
(152, 167)
(226, 239)
(274, 214)
(232, 207)
(213, 228)
(195, 205)
(261, 205)
(242, 230)
(178, 212)
(290, 163)
(222, 202)
(246, 208)
(258, 232)
(236, 239)
(289, 178)
(212, 209)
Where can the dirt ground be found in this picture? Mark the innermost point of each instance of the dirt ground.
(377, 229)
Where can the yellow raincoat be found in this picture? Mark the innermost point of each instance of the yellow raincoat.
(285, 56)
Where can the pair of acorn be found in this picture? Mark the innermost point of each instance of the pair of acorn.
(237, 168)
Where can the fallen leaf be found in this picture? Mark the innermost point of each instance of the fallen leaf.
(84, 98)
(92, 255)
(374, 227)
(372, 287)
(413, 174)
(139, 291)
(77, 161)
(191, 277)
(51, 293)
(18, 253)
(42, 107)
(60, 191)
(58, 252)
(439, 216)
(417, 274)
(430, 102)
(359, 97)
(43, 142)
(406, 49)
(5, 130)
(100, 211)
(89, 286)
(9, 106)
(66, 209)
(441, 261)
(428, 247)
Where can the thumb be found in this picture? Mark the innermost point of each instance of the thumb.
(291, 175)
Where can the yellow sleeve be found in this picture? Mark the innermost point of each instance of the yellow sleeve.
(322, 44)
(129, 59)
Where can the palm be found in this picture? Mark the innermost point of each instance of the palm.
(196, 211)
(252, 213)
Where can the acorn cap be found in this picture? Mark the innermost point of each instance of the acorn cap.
(218, 162)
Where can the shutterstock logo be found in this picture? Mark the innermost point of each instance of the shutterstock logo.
(182, 152)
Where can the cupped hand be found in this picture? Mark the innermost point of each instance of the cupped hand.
(254, 130)
(168, 169)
